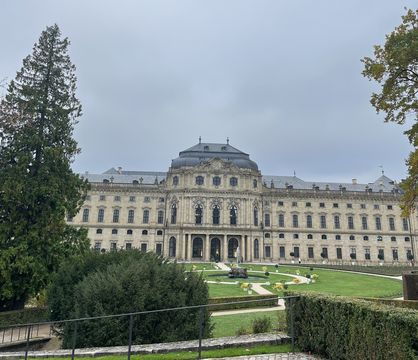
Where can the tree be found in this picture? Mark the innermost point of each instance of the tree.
(395, 68)
(124, 282)
(37, 186)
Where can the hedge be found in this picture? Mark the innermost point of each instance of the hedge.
(342, 328)
(271, 302)
(409, 304)
(24, 316)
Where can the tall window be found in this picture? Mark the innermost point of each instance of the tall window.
(86, 215)
(324, 253)
(339, 253)
(323, 222)
(173, 213)
(145, 217)
(364, 222)
(254, 183)
(233, 215)
(282, 252)
(296, 251)
(215, 215)
(350, 222)
(216, 180)
(381, 254)
(160, 217)
(405, 224)
(395, 254)
(255, 216)
(281, 220)
(267, 220)
(199, 180)
(295, 221)
(337, 222)
(175, 180)
(378, 223)
(197, 250)
(310, 252)
(367, 254)
(172, 247)
(115, 216)
(198, 214)
(256, 249)
(309, 221)
(131, 216)
(100, 216)
(233, 181)
(391, 224)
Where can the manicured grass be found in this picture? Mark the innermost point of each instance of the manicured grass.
(189, 355)
(222, 290)
(343, 283)
(227, 325)
(259, 277)
(200, 266)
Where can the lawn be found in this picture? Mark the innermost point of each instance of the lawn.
(222, 290)
(227, 325)
(254, 277)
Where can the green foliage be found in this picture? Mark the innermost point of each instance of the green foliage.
(341, 328)
(261, 325)
(124, 282)
(395, 68)
(242, 330)
(23, 316)
(37, 185)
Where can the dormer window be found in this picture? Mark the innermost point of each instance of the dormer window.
(206, 148)
(223, 148)
(175, 180)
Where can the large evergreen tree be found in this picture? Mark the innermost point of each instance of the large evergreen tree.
(37, 186)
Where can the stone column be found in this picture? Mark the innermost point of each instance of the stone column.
(206, 254)
(225, 248)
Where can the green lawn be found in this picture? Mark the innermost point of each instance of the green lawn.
(200, 266)
(189, 355)
(259, 277)
(227, 325)
(222, 290)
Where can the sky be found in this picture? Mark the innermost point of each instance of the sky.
(281, 79)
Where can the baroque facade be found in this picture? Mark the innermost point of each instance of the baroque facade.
(214, 204)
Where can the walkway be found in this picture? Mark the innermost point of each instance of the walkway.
(286, 356)
(245, 311)
(222, 266)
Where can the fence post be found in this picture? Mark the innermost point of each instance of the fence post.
(27, 342)
(200, 332)
(131, 322)
(11, 335)
(292, 322)
(74, 340)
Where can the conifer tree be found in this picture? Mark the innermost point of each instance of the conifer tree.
(38, 189)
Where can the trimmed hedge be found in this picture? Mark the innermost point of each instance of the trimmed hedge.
(342, 328)
(409, 304)
(24, 316)
(220, 300)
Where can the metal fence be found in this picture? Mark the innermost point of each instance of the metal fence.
(24, 333)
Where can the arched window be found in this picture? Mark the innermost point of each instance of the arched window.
(86, 215)
(233, 181)
(233, 215)
(352, 237)
(114, 231)
(309, 221)
(116, 216)
(160, 217)
(144, 232)
(197, 251)
(281, 220)
(175, 180)
(172, 247)
(145, 217)
(159, 232)
(295, 221)
(216, 215)
(365, 238)
(200, 180)
(323, 237)
(198, 214)
(99, 231)
(310, 237)
(216, 181)
(173, 213)
(100, 216)
(256, 249)
(129, 232)
(255, 216)
(232, 248)
(267, 235)
(254, 183)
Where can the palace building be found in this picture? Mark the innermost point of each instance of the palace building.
(214, 199)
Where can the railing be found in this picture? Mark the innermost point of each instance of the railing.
(31, 330)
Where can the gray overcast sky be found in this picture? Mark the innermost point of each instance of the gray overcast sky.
(281, 78)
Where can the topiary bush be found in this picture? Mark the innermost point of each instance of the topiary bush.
(133, 281)
(342, 328)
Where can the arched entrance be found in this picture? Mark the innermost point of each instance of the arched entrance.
(232, 248)
(215, 249)
(197, 248)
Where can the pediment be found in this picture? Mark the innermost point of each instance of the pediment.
(217, 164)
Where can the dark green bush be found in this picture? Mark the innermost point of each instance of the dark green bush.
(261, 325)
(134, 282)
(341, 328)
(24, 316)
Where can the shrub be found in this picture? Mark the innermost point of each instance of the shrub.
(24, 316)
(261, 325)
(242, 331)
(137, 283)
(267, 273)
(270, 300)
(342, 328)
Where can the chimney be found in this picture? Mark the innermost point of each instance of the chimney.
(354, 181)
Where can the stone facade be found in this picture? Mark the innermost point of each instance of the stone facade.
(214, 204)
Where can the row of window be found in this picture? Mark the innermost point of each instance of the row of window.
(116, 216)
(335, 205)
(336, 222)
(216, 181)
(132, 198)
(338, 237)
(128, 232)
(324, 253)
